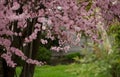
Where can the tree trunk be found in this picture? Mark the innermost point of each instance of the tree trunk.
(28, 69)
(30, 51)
(6, 71)
(9, 71)
(1, 68)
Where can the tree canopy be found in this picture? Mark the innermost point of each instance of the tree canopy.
(24, 21)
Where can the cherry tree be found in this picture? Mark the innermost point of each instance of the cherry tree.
(25, 24)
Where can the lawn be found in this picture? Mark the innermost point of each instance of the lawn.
(51, 71)
(64, 71)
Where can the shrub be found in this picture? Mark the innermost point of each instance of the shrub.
(44, 54)
(93, 69)
(115, 64)
(71, 56)
(88, 67)
(114, 31)
(92, 66)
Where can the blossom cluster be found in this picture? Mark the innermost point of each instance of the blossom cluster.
(65, 20)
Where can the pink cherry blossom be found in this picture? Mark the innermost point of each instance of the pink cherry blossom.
(39, 20)
(16, 6)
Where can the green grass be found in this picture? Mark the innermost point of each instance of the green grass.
(64, 71)
(53, 71)
(50, 71)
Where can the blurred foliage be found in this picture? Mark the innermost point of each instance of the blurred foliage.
(105, 66)
(71, 56)
(91, 66)
(114, 31)
(100, 63)
(44, 54)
